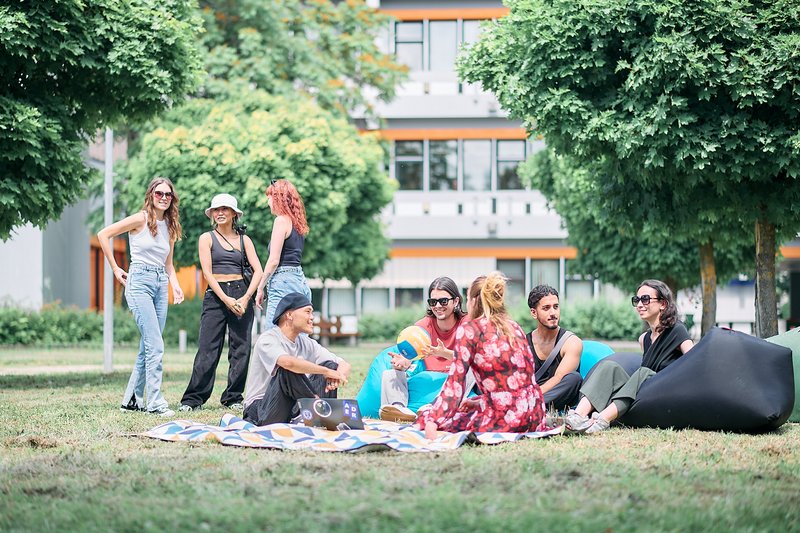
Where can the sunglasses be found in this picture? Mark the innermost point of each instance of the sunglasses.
(273, 181)
(161, 194)
(441, 301)
(645, 299)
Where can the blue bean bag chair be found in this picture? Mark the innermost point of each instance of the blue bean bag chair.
(791, 340)
(592, 352)
(423, 385)
(729, 381)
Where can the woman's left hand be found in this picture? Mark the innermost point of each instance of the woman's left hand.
(177, 294)
(243, 302)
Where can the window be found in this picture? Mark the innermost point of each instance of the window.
(509, 156)
(444, 45)
(545, 272)
(408, 297)
(443, 165)
(514, 270)
(579, 290)
(408, 165)
(374, 300)
(477, 159)
(341, 302)
(408, 44)
(471, 31)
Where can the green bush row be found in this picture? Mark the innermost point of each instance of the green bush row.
(591, 320)
(68, 326)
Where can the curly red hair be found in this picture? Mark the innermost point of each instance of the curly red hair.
(286, 201)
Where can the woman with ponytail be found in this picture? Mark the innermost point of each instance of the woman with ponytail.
(283, 272)
(494, 347)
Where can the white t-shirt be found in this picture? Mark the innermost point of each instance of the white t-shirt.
(269, 347)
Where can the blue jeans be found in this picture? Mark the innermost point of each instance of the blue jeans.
(146, 293)
(284, 280)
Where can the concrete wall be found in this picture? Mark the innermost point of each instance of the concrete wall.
(21, 269)
(65, 253)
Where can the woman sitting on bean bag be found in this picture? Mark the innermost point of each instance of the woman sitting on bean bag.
(609, 389)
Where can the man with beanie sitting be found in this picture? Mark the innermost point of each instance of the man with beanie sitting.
(286, 365)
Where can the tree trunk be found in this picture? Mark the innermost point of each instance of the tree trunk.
(708, 275)
(766, 292)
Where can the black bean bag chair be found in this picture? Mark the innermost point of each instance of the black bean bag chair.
(729, 381)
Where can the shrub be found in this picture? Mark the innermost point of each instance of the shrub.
(597, 319)
(68, 326)
(386, 326)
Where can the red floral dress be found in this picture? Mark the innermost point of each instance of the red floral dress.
(509, 400)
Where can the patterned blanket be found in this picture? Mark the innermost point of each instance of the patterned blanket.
(377, 435)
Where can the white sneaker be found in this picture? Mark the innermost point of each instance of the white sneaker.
(164, 412)
(235, 407)
(186, 408)
(397, 413)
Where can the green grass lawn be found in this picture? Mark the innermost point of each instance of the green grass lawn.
(70, 461)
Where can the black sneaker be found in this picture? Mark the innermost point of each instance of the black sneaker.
(131, 407)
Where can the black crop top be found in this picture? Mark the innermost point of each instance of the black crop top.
(224, 261)
(292, 252)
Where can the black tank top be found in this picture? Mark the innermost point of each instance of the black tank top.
(292, 252)
(224, 261)
(538, 362)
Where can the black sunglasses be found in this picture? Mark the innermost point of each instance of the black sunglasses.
(645, 299)
(273, 181)
(441, 301)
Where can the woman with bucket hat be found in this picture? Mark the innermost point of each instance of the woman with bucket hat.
(283, 273)
(226, 256)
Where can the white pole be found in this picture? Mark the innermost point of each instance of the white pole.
(108, 276)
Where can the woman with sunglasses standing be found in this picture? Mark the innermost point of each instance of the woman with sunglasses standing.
(283, 269)
(227, 306)
(152, 233)
(609, 390)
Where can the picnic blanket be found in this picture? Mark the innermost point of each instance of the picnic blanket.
(376, 435)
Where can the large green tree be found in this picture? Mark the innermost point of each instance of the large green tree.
(620, 243)
(281, 78)
(236, 145)
(696, 98)
(70, 67)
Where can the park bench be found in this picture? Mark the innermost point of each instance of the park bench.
(337, 327)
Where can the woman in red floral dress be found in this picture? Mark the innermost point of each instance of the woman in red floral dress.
(495, 348)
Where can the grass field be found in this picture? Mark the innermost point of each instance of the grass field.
(70, 461)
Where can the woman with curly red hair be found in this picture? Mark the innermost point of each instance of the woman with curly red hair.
(283, 272)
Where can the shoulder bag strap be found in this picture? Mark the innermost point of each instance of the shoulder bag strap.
(552, 357)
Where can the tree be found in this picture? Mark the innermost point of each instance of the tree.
(237, 145)
(696, 98)
(69, 68)
(282, 76)
(617, 244)
(325, 49)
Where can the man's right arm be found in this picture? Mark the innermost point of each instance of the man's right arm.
(301, 366)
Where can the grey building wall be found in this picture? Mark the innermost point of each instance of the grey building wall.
(65, 252)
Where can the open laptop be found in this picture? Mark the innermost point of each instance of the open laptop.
(334, 414)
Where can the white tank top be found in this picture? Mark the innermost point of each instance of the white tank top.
(148, 249)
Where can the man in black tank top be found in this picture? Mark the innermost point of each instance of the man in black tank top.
(556, 351)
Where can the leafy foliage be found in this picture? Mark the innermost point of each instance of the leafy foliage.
(614, 242)
(693, 102)
(211, 146)
(321, 48)
(595, 319)
(386, 326)
(69, 68)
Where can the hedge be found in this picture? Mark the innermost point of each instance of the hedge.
(55, 325)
